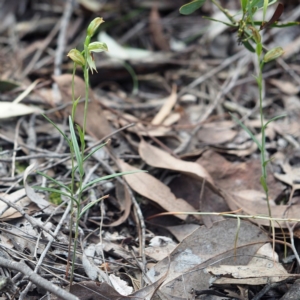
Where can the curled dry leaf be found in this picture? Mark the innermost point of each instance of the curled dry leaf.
(263, 268)
(286, 87)
(155, 157)
(141, 129)
(217, 132)
(166, 109)
(156, 30)
(151, 188)
(10, 109)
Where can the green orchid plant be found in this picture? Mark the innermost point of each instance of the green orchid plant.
(75, 192)
(248, 31)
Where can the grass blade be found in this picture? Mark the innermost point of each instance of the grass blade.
(76, 147)
(53, 190)
(109, 177)
(95, 150)
(54, 180)
(60, 131)
(247, 130)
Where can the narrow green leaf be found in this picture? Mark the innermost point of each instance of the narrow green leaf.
(76, 147)
(95, 150)
(53, 190)
(60, 131)
(260, 3)
(109, 177)
(248, 46)
(222, 22)
(89, 205)
(259, 49)
(266, 4)
(274, 119)
(189, 8)
(81, 136)
(247, 130)
(74, 107)
(244, 4)
(264, 184)
(54, 180)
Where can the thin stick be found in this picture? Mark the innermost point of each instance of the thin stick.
(36, 279)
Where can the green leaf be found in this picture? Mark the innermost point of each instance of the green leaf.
(89, 205)
(95, 150)
(273, 54)
(60, 131)
(264, 184)
(265, 6)
(222, 22)
(274, 119)
(81, 136)
(109, 177)
(76, 147)
(54, 180)
(260, 3)
(248, 46)
(74, 106)
(258, 49)
(247, 130)
(97, 47)
(244, 4)
(53, 190)
(189, 8)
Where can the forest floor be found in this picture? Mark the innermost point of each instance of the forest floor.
(165, 98)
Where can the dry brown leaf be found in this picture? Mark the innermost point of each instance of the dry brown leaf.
(155, 157)
(291, 176)
(156, 29)
(217, 132)
(262, 269)
(96, 124)
(286, 87)
(123, 196)
(252, 203)
(141, 129)
(235, 176)
(151, 188)
(166, 108)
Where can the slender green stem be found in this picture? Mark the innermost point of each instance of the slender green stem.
(86, 81)
(224, 11)
(72, 172)
(263, 135)
(73, 93)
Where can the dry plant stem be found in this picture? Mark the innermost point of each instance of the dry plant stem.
(61, 41)
(41, 49)
(213, 72)
(36, 279)
(291, 231)
(270, 286)
(31, 220)
(225, 215)
(13, 166)
(44, 253)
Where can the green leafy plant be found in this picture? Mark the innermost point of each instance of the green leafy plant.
(76, 190)
(248, 31)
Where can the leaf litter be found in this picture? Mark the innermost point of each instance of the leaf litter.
(178, 129)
